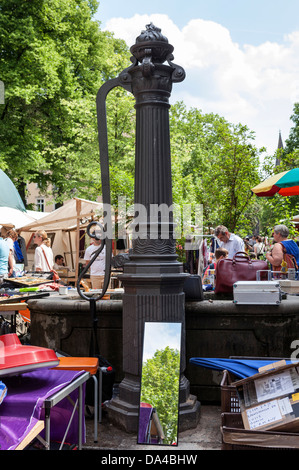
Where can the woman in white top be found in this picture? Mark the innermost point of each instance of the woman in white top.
(259, 247)
(43, 256)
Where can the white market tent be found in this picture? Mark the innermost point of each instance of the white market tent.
(15, 218)
(63, 226)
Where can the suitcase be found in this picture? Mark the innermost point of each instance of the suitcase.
(257, 293)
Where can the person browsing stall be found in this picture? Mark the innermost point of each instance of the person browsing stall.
(59, 262)
(220, 253)
(259, 247)
(231, 242)
(282, 245)
(97, 269)
(6, 261)
(11, 238)
(43, 256)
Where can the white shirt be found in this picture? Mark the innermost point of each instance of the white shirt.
(98, 266)
(39, 258)
(233, 245)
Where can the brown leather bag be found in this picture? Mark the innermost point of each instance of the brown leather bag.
(240, 268)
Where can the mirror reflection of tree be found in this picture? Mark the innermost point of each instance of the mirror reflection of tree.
(160, 387)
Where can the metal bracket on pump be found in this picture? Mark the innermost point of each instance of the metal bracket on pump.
(96, 253)
(92, 299)
(122, 80)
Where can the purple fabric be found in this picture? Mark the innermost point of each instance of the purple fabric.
(144, 421)
(23, 406)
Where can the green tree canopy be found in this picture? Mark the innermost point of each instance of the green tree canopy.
(292, 143)
(53, 59)
(160, 387)
(214, 164)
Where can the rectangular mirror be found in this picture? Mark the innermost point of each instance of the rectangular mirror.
(160, 382)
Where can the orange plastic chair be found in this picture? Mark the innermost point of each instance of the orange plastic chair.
(88, 364)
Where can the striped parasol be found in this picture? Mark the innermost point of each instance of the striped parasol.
(285, 184)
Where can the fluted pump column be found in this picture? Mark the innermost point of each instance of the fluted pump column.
(153, 279)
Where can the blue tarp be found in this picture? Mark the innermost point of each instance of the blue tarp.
(241, 368)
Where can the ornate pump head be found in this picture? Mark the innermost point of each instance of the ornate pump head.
(151, 49)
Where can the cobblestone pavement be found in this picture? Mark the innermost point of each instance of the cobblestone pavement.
(206, 436)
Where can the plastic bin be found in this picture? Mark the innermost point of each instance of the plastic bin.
(229, 398)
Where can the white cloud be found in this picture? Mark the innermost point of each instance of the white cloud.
(254, 85)
(158, 335)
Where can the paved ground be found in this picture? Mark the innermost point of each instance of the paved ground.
(206, 436)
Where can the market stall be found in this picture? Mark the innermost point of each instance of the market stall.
(66, 228)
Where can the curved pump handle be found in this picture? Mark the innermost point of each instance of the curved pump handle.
(122, 80)
(94, 256)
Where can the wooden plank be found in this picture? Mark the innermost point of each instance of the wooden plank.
(38, 427)
(11, 307)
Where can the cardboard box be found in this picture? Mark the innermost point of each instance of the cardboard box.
(257, 293)
(288, 286)
(235, 437)
(270, 399)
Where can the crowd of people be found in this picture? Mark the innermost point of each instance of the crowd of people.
(44, 260)
(282, 252)
(13, 252)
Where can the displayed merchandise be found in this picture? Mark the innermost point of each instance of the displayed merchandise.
(3, 391)
(257, 293)
(240, 268)
(16, 358)
(270, 399)
(242, 368)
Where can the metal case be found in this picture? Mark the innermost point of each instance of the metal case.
(257, 293)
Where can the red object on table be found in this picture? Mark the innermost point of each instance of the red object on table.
(16, 358)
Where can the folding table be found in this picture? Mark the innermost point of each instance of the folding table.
(32, 397)
(57, 397)
(91, 365)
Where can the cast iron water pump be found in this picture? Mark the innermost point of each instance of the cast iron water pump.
(153, 279)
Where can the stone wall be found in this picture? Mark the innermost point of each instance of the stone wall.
(213, 329)
(223, 329)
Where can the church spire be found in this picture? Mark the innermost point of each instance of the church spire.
(280, 144)
(279, 147)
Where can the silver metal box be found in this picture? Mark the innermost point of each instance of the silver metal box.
(257, 293)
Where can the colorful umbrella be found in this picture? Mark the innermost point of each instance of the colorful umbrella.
(285, 184)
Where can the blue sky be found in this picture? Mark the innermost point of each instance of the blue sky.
(250, 21)
(158, 335)
(240, 57)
